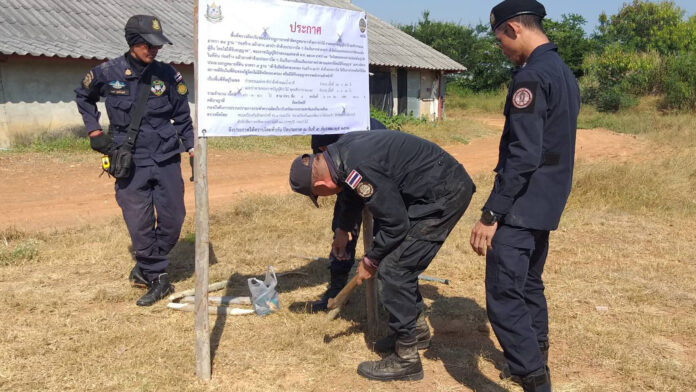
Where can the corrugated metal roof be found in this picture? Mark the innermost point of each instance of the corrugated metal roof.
(93, 29)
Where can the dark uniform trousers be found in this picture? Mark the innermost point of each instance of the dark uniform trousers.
(515, 295)
(152, 202)
(399, 270)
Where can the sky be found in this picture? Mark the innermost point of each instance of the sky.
(473, 12)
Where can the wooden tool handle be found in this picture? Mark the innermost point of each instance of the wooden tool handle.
(342, 297)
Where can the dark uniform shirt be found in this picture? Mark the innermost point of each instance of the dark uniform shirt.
(537, 148)
(399, 177)
(167, 118)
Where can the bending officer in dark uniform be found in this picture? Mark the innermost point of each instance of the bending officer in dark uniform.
(416, 193)
(152, 196)
(339, 268)
(533, 181)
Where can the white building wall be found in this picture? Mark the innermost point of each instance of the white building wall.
(37, 96)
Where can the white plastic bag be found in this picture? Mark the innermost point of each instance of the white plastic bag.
(264, 296)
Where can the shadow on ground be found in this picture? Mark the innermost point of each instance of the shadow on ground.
(460, 339)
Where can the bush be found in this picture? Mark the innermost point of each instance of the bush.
(395, 122)
(612, 99)
(680, 82)
(615, 77)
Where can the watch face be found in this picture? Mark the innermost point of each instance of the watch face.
(488, 217)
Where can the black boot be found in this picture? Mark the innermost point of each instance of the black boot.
(544, 348)
(422, 332)
(538, 381)
(159, 288)
(403, 364)
(336, 284)
(137, 279)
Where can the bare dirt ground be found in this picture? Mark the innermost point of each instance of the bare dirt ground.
(622, 314)
(45, 193)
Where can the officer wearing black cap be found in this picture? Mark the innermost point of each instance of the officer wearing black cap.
(416, 193)
(532, 183)
(152, 196)
(339, 265)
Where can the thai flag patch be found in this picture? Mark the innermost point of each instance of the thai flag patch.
(178, 77)
(353, 179)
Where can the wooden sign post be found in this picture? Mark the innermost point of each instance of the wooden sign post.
(202, 322)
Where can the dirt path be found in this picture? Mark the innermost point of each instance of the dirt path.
(40, 193)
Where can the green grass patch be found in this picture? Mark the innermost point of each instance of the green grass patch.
(17, 248)
(487, 101)
(459, 129)
(262, 144)
(51, 142)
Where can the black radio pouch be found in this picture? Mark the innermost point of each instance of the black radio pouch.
(121, 158)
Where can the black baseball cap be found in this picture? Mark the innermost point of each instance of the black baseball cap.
(301, 176)
(148, 27)
(509, 9)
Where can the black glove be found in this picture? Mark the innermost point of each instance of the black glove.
(103, 143)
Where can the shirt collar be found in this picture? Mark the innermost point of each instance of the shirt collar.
(543, 48)
(330, 164)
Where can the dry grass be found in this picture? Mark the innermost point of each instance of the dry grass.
(622, 301)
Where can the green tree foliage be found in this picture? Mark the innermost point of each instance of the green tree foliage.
(569, 36)
(644, 26)
(474, 48)
(626, 57)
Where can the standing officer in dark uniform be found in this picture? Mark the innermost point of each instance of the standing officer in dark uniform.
(152, 196)
(416, 193)
(533, 181)
(339, 265)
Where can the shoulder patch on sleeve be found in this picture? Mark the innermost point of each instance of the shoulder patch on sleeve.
(87, 81)
(181, 88)
(365, 189)
(523, 97)
(178, 77)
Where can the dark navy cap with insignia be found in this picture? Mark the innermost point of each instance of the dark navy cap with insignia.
(509, 9)
(301, 176)
(148, 27)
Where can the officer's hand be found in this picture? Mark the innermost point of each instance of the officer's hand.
(191, 153)
(365, 272)
(340, 241)
(101, 142)
(482, 237)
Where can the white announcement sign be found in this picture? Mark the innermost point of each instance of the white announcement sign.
(271, 67)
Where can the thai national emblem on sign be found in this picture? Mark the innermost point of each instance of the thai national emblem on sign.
(214, 13)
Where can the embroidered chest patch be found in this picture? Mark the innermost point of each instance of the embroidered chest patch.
(353, 179)
(117, 85)
(158, 87)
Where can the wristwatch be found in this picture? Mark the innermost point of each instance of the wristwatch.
(489, 217)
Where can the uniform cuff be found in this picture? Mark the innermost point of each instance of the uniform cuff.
(371, 263)
(92, 126)
(499, 204)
